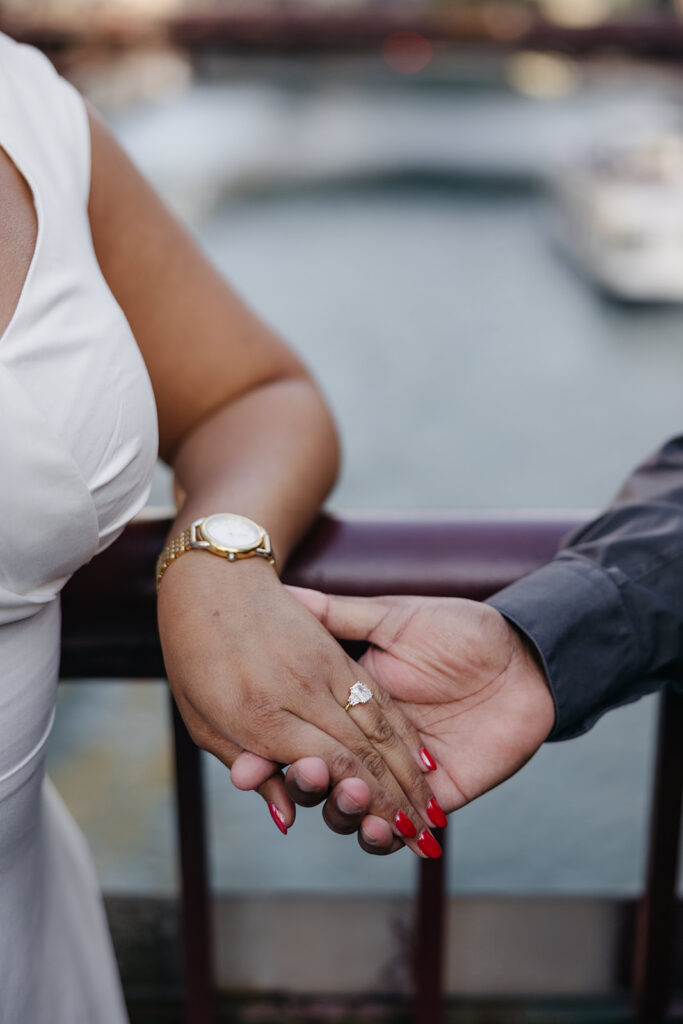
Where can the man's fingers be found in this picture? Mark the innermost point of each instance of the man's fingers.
(267, 779)
(308, 781)
(375, 837)
(347, 805)
(348, 618)
(259, 774)
(356, 759)
(249, 771)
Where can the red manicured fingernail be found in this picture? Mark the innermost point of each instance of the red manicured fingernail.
(428, 844)
(435, 814)
(278, 817)
(405, 825)
(427, 760)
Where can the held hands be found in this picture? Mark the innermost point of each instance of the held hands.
(467, 681)
(252, 670)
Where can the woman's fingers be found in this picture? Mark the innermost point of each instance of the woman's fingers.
(355, 758)
(377, 620)
(380, 719)
(397, 741)
(280, 805)
(351, 754)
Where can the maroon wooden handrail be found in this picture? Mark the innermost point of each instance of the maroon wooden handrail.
(109, 631)
(109, 607)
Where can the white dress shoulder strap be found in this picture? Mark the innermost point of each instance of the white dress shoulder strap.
(44, 122)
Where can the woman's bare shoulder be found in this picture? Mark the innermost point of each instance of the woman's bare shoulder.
(18, 233)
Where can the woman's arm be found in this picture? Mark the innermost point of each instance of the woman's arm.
(246, 431)
(217, 370)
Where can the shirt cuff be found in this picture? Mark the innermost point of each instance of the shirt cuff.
(572, 611)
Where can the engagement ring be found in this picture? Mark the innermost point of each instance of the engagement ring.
(358, 694)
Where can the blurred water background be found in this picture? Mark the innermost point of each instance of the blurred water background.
(400, 236)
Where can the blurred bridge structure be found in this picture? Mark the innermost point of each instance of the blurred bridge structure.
(655, 34)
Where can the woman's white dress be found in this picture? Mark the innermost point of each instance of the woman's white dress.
(78, 441)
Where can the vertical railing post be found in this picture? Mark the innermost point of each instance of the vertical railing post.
(197, 947)
(430, 932)
(655, 922)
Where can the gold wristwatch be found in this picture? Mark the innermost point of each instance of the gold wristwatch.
(225, 534)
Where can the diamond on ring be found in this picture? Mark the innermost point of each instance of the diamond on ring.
(358, 694)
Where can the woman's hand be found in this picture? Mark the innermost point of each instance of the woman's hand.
(252, 669)
(466, 679)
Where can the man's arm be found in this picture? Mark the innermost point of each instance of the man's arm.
(487, 684)
(606, 615)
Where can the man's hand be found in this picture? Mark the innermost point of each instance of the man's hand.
(467, 680)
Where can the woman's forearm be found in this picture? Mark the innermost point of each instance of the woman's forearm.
(272, 454)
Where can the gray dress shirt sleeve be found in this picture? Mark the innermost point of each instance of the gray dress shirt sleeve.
(606, 615)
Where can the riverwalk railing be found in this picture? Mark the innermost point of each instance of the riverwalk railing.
(109, 631)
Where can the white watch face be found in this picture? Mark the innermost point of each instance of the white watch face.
(229, 532)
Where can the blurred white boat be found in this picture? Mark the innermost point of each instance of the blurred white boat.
(621, 217)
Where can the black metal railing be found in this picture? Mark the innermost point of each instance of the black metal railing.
(109, 631)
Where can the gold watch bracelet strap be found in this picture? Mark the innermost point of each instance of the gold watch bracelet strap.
(174, 549)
